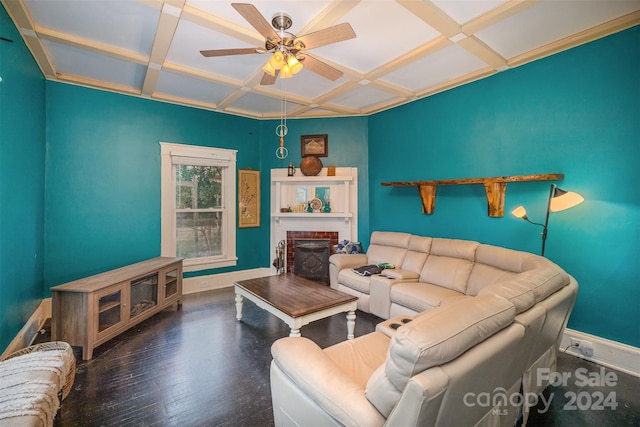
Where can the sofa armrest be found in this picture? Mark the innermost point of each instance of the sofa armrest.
(400, 274)
(341, 261)
(324, 382)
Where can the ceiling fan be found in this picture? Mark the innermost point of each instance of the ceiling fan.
(286, 48)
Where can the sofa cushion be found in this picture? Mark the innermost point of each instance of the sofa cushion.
(451, 273)
(354, 281)
(506, 259)
(437, 336)
(454, 248)
(417, 253)
(359, 358)
(494, 264)
(420, 296)
(386, 246)
(449, 264)
(381, 392)
(483, 275)
(526, 289)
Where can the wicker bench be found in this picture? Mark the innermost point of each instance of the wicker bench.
(33, 383)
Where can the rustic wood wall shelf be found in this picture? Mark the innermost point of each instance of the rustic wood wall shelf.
(495, 188)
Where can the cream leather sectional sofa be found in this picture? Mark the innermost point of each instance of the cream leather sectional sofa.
(471, 334)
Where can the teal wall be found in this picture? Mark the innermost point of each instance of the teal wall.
(103, 177)
(22, 151)
(575, 113)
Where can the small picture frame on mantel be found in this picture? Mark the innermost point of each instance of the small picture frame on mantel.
(315, 145)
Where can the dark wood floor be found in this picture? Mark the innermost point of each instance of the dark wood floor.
(200, 367)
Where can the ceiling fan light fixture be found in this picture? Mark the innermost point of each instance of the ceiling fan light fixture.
(295, 66)
(277, 60)
(285, 72)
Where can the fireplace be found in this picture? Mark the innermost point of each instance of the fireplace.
(311, 259)
(312, 240)
(340, 223)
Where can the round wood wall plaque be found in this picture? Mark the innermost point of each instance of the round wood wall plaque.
(311, 166)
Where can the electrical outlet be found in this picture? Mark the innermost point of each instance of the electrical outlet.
(585, 347)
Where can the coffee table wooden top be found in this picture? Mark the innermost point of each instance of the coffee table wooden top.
(294, 295)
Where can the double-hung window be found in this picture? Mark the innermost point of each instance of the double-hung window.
(198, 205)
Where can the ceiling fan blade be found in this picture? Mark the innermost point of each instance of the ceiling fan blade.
(255, 18)
(268, 79)
(225, 52)
(334, 34)
(319, 67)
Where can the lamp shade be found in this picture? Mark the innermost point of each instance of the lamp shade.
(285, 72)
(277, 60)
(562, 200)
(294, 65)
(519, 212)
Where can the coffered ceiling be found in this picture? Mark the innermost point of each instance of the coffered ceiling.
(404, 49)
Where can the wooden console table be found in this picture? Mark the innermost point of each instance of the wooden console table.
(495, 187)
(91, 311)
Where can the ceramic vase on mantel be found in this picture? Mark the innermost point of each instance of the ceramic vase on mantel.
(311, 166)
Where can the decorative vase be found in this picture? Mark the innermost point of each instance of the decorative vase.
(311, 166)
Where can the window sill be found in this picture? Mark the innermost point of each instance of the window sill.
(191, 265)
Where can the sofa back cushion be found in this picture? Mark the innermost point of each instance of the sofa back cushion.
(434, 338)
(528, 288)
(449, 263)
(495, 264)
(417, 253)
(387, 246)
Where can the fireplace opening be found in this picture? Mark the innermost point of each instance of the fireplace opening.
(311, 259)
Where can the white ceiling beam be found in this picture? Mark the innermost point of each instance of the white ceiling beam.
(407, 59)
(432, 15)
(18, 12)
(166, 29)
(91, 46)
(220, 25)
(329, 15)
(202, 75)
(98, 84)
(476, 47)
(500, 13)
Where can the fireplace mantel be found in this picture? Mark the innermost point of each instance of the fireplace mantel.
(287, 191)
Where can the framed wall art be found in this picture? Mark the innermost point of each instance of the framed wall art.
(315, 145)
(248, 198)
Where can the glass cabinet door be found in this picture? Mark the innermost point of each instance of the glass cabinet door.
(110, 309)
(171, 283)
(144, 294)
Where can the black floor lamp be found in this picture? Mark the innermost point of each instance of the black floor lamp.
(559, 200)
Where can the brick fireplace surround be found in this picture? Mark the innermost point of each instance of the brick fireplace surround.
(293, 235)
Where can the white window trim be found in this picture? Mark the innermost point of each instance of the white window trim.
(168, 203)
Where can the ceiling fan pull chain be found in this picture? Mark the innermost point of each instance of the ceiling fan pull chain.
(281, 129)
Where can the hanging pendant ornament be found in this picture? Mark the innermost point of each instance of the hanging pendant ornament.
(281, 151)
(281, 129)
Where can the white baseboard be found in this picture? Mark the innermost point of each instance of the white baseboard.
(612, 354)
(192, 285)
(30, 330)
